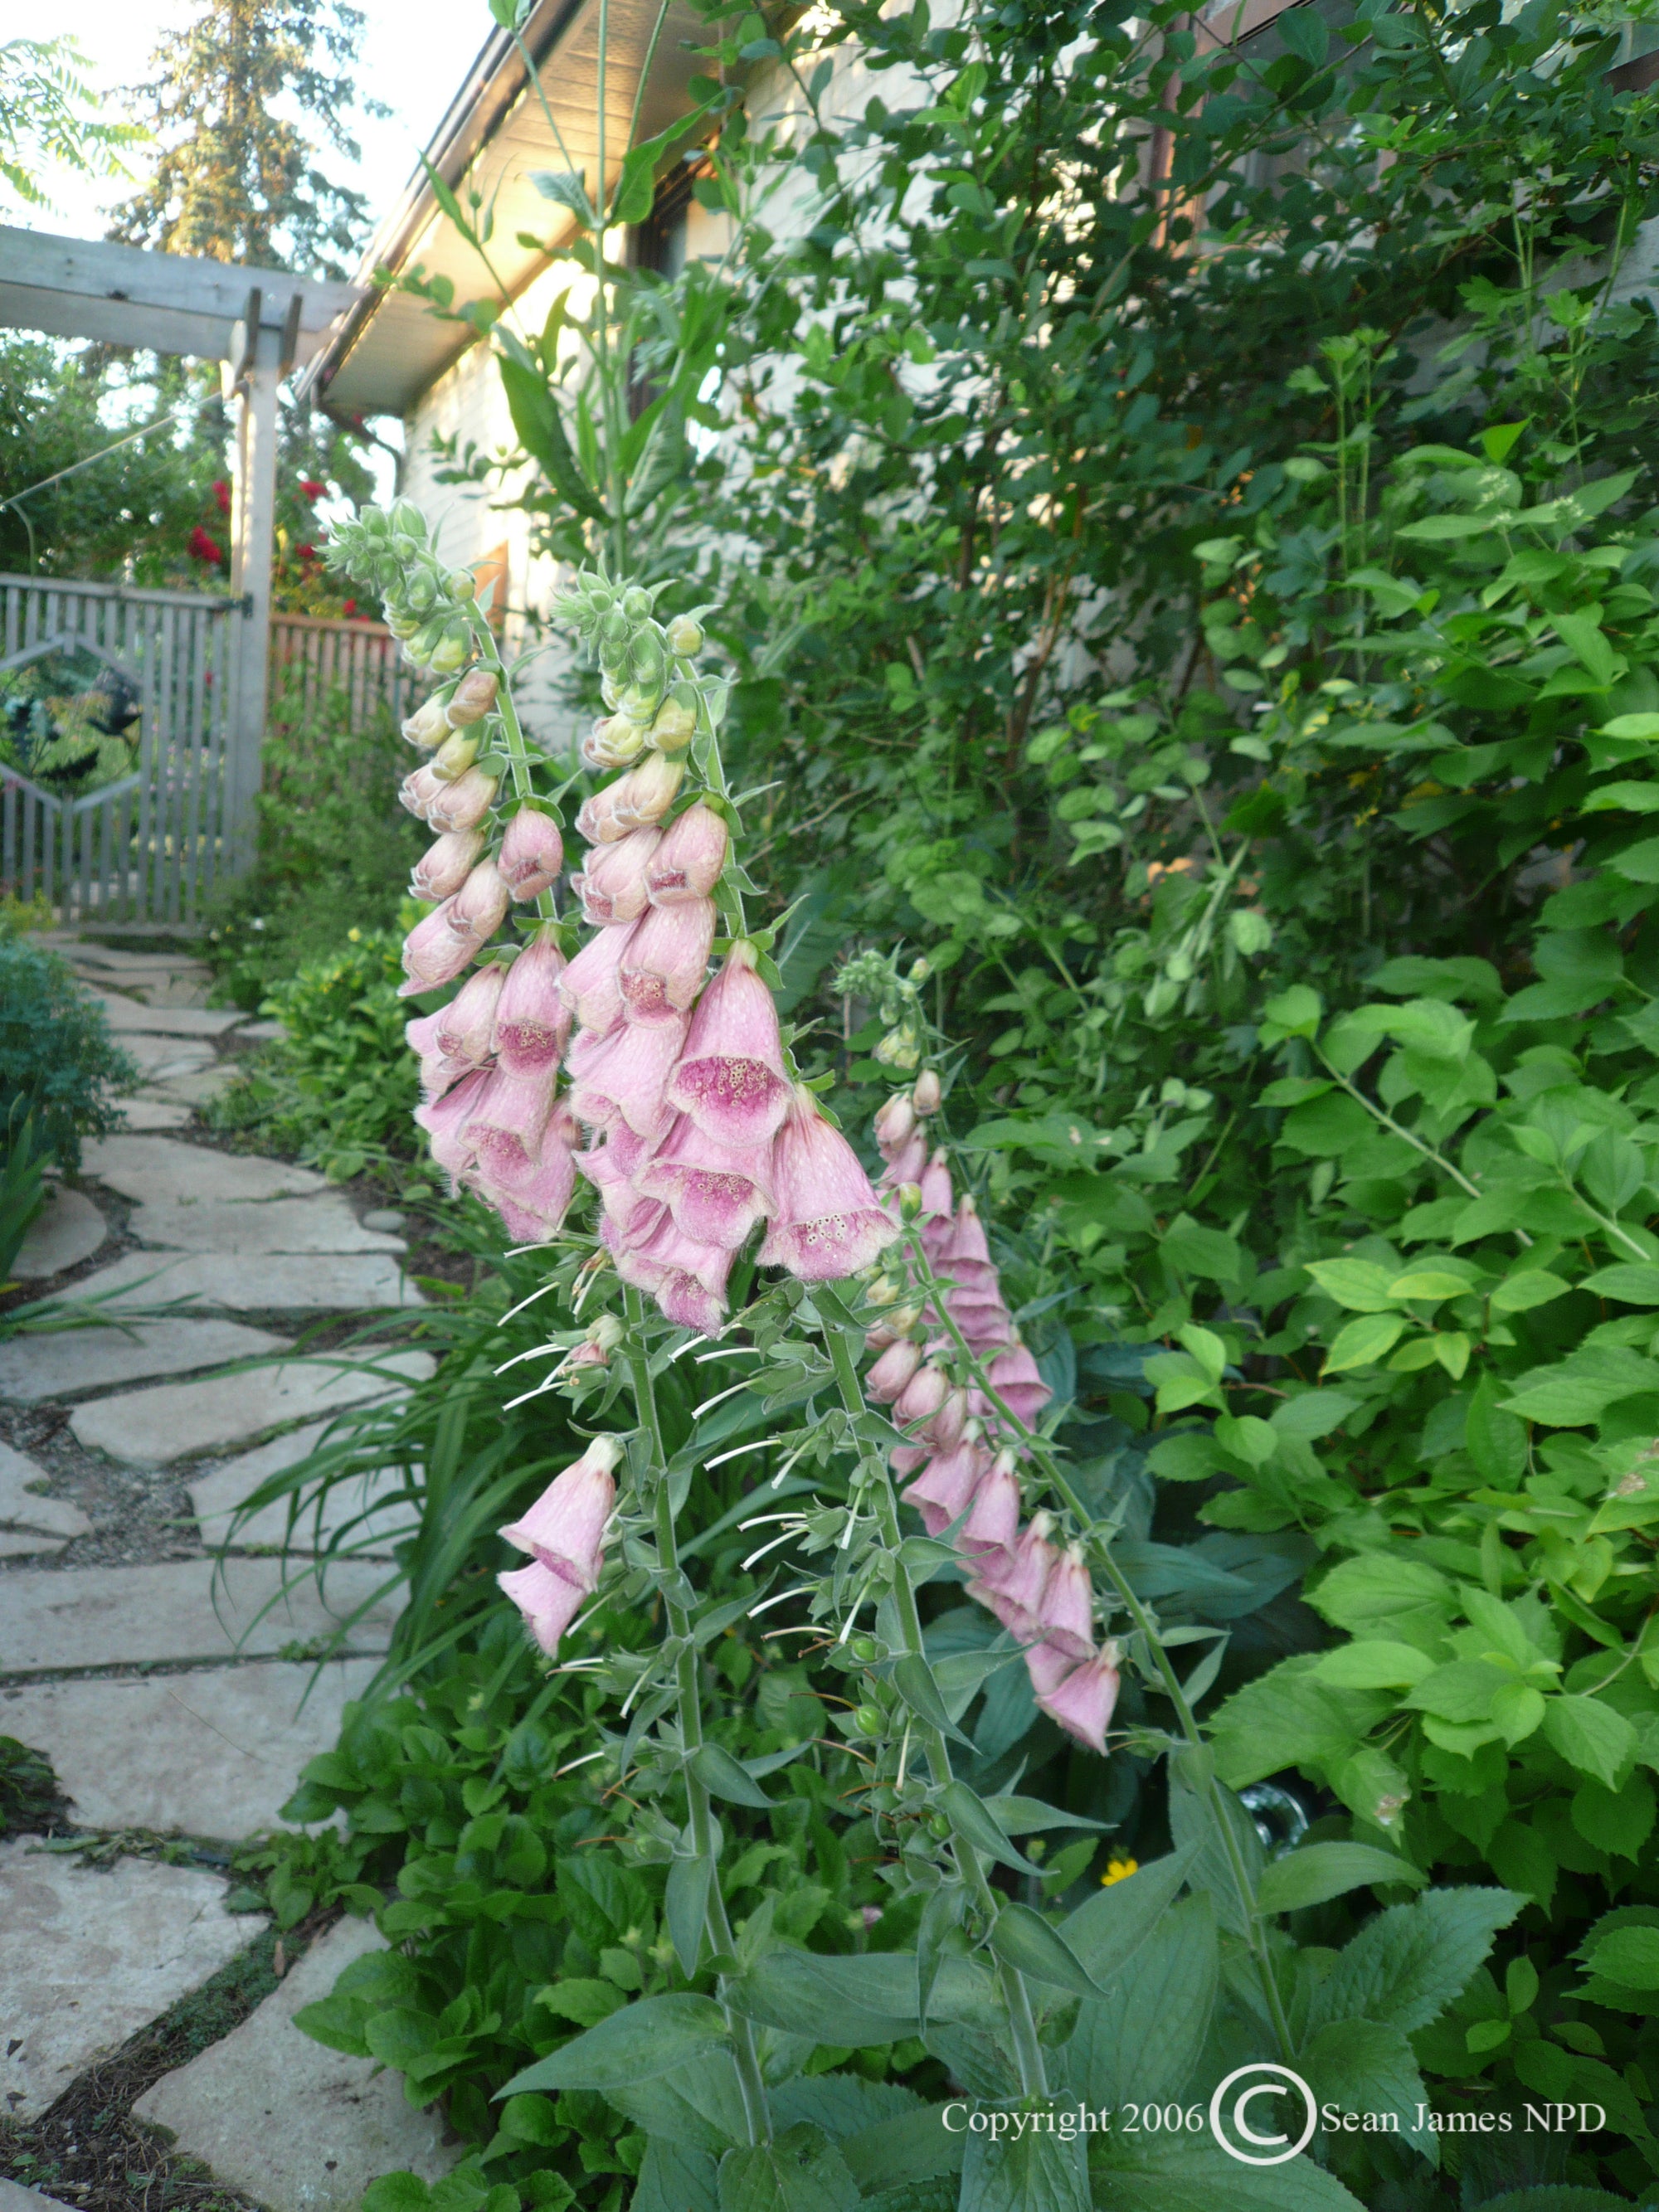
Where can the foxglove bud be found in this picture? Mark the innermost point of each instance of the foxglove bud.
(688, 862)
(458, 806)
(685, 637)
(674, 727)
(428, 727)
(479, 908)
(613, 742)
(922, 1396)
(531, 854)
(434, 953)
(927, 1097)
(451, 651)
(443, 867)
(419, 792)
(454, 757)
(637, 801)
(892, 1373)
(613, 886)
(894, 1123)
(472, 699)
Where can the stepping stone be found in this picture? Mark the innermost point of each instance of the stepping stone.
(167, 1059)
(79, 1360)
(160, 1171)
(262, 1032)
(154, 1114)
(216, 1754)
(324, 1224)
(57, 1620)
(19, 1544)
(349, 1507)
(124, 1014)
(296, 2126)
(180, 1420)
(67, 1229)
(194, 1087)
(346, 1282)
(88, 1956)
(121, 957)
(20, 1506)
(13, 2198)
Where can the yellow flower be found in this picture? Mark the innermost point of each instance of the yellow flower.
(1119, 1870)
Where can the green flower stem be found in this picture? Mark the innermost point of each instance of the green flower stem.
(1203, 1773)
(721, 1941)
(1028, 2051)
(517, 748)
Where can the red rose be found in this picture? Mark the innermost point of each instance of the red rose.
(311, 487)
(203, 547)
(222, 494)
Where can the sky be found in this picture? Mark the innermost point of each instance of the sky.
(415, 53)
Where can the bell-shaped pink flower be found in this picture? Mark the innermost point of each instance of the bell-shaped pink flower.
(533, 1210)
(444, 1119)
(505, 1126)
(928, 1095)
(944, 1427)
(688, 863)
(1084, 1701)
(625, 1077)
(434, 953)
(936, 1221)
(1012, 1583)
(907, 1164)
(730, 1078)
(716, 1193)
(460, 805)
(443, 867)
(438, 1069)
(612, 883)
(892, 1371)
(666, 959)
(531, 854)
(922, 1397)
(548, 1602)
(687, 1278)
(828, 1224)
(591, 986)
(466, 1024)
(635, 801)
(908, 1458)
(994, 1524)
(1046, 1668)
(479, 908)
(611, 1167)
(895, 1124)
(967, 1246)
(417, 791)
(944, 1490)
(1013, 1376)
(564, 1529)
(532, 1020)
(1066, 1616)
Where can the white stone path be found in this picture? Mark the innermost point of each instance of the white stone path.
(158, 1689)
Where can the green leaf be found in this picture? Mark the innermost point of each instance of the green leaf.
(1535, 1286)
(1496, 1441)
(722, 1777)
(675, 2177)
(1289, 1717)
(1142, 2038)
(397, 2192)
(1034, 2171)
(1318, 1872)
(1583, 634)
(638, 2044)
(1364, 2066)
(1375, 1664)
(971, 1817)
(1404, 1967)
(1629, 1956)
(1438, 529)
(1023, 1939)
(1580, 1389)
(1360, 1284)
(685, 1905)
(1158, 2172)
(586, 2001)
(1364, 1342)
(1108, 1930)
(801, 2171)
(913, 1680)
(1631, 1283)
(540, 428)
(1591, 1736)
(1029, 1816)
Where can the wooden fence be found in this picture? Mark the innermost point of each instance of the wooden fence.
(314, 657)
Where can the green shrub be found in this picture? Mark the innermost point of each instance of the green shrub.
(58, 1063)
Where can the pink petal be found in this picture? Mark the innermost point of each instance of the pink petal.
(730, 1078)
(715, 1192)
(666, 959)
(591, 986)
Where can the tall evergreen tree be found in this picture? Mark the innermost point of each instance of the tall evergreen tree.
(247, 101)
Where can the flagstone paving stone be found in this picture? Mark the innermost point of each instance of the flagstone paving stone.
(88, 1955)
(123, 1013)
(160, 1170)
(343, 1282)
(181, 1420)
(197, 1087)
(72, 1361)
(67, 1229)
(163, 1059)
(20, 1544)
(180, 1610)
(293, 2124)
(25, 1507)
(324, 1224)
(350, 1506)
(13, 2198)
(216, 1753)
(147, 1113)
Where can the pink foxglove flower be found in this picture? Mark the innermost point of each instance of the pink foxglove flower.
(730, 1078)
(444, 1119)
(994, 1524)
(438, 1069)
(533, 1210)
(893, 1370)
(716, 1193)
(434, 953)
(479, 908)
(688, 862)
(506, 1126)
(472, 699)
(687, 1278)
(1012, 1583)
(564, 1529)
(443, 867)
(1084, 1701)
(635, 801)
(548, 1602)
(1065, 1617)
(624, 1080)
(906, 1164)
(828, 1225)
(531, 854)
(591, 986)
(1046, 1668)
(922, 1397)
(927, 1096)
(611, 1167)
(944, 1428)
(460, 805)
(938, 1221)
(908, 1458)
(532, 1020)
(467, 1024)
(666, 959)
(418, 790)
(1014, 1377)
(894, 1124)
(612, 883)
(945, 1488)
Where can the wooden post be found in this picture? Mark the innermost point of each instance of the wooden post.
(253, 524)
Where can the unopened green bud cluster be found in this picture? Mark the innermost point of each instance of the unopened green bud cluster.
(647, 675)
(424, 600)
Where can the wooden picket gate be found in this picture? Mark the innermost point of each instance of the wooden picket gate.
(149, 846)
(312, 656)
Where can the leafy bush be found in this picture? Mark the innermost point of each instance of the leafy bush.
(59, 1064)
